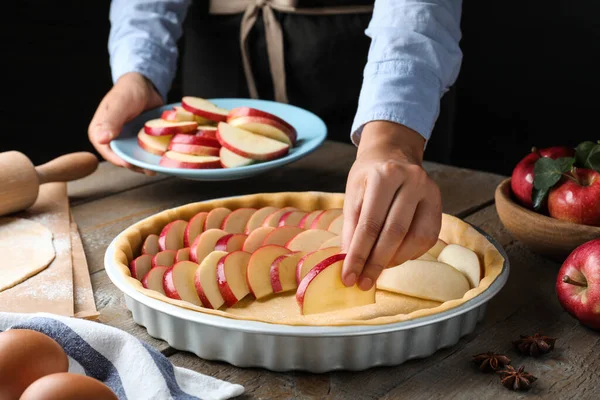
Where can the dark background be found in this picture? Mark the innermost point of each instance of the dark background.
(529, 77)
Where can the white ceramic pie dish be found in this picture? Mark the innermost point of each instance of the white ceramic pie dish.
(317, 349)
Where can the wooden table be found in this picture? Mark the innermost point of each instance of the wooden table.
(112, 199)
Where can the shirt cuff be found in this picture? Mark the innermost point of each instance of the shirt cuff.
(398, 91)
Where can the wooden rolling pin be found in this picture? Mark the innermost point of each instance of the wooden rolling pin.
(20, 180)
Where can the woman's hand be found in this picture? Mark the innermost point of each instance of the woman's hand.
(392, 209)
(131, 95)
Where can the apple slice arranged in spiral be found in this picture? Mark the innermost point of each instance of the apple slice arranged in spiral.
(160, 127)
(258, 273)
(282, 235)
(236, 221)
(171, 236)
(335, 241)
(153, 144)
(194, 227)
(140, 266)
(291, 218)
(274, 218)
(165, 258)
(153, 280)
(205, 280)
(150, 245)
(256, 238)
(182, 255)
(308, 219)
(231, 277)
(204, 108)
(437, 248)
(205, 243)
(309, 240)
(250, 145)
(231, 160)
(258, 218)
(179, 114)
(283, 272)
(178, 282)
(173, 159)
(337, 225)
(231, 242)
(323, 220)
(465, 260)
(215, 218)
(308, 262)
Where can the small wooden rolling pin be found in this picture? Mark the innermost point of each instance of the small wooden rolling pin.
(20, 180)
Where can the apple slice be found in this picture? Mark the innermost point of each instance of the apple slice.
(184, 138)
(308, 262)
(231, 160)
(150, 245)
(194, 227)
(254, 112)
(177, 114)
(231, 242)
(182, 254)
(283, 272)
(207, 132)
(426, 257)
(430, 280)
(308, 219)
(437, 248)
(153, 144)
(291, 218)
(193, 149)
(266, 127)
(258, 273)
(282, 235)
(322, 289)
(274, 218)
(335, 241)
(171, 236)
(336, 226)
(204, 108)
(204, 244)
(250, 145)
(325, 219)
(160, 127)
(178, 282)
(465, 260)
(173, 159)
(165, 258)
(258, 218)
(256, 238)
(215, 218)
(140, 266)
(236, 221)
(231, 277)
(205, 280)
(309, 240)
(153, 280)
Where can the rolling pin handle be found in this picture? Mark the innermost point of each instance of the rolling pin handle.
(67, 168)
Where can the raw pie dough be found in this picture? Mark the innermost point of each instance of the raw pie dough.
(282, 308)
(26, 249)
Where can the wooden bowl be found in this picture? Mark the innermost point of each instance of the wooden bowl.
(544, 235)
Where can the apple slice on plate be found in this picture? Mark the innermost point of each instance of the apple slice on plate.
(239, 112)
(140, 266)
(194, 227)
(160, 127)
(258, 273)
(250, 145)
(283, 272)
(291, 218)
(274, 218)
(231, 277)
(153, 280)
(465, 260)
(231, 242)
(282, 235)
(308, 262)
(430, 280)
(258, 218)
(207, 132)
(437, 248)
(178, 282)
(204, 108)
(150, 245)
(325, 219)
(322, 289)
(256, 238)
(205, 280)
(153, 144)
(231, 160)
(215, 218)
(309, 240)
(171, 236)
(182, 254)
(173, 159)
(183, 138)
(205, 243)
(266, 127)
(337, 225)
(236, 221)
(177, 114)
(165, 258)
(308, 219)
(335, 241)
(193, 149)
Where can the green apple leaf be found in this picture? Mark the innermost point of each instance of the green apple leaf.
(546, 171)
(588, 155)
(537, 197)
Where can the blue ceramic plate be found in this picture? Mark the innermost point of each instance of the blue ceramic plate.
(311, 131)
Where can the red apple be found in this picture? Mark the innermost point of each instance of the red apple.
(522, 177)
(576, 198)
(184, 138)
(160, 127)
(578, 284)
(172, 159)
(250, 145)
(204, 108)
(153, 144)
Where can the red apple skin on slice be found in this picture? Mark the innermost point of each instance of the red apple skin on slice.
(291, 218)
(231, 160)
(236, 221)
(193, 149)
(173, 159)
(258, 273)
(182, 255)
(309, 240)
(140, 266)
(231, 277)
(274, 218)
(239, 112)
(165, 258)
(150, 245)
(204, 108)
(337, 225)
(308, 219)
(283, 272)
(205, 280)
(160, 127)
(325, 219)
(204, 244)
(153, 280)
(178, 282)
(256, 238)
(322, 289)
(231, 242)
(153, 144)
(208, 132)
(282, 235)
(258, 218)
(308, 262)
(177, 114)
(171, 236)
(183, 138)
(215, 218)
(250, 145)
(194, 227)
(266, 127)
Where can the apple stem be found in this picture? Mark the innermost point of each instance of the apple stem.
(534, 149)
(569, 280)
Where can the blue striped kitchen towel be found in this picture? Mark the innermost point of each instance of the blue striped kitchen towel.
(132, 369)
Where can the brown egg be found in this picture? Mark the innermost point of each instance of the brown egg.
(67, 386)
(26, 356)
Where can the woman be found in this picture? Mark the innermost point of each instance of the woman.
(313, 54)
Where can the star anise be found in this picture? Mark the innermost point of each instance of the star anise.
(535, 345)
(490, 361)
(516, 379)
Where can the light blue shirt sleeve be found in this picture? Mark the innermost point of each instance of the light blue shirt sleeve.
(413, 59)
(143, 38)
